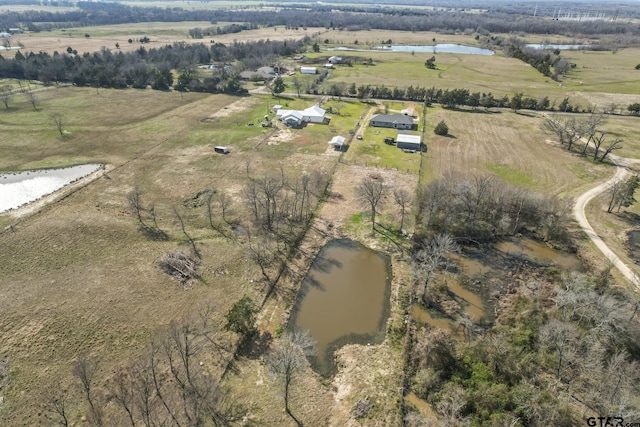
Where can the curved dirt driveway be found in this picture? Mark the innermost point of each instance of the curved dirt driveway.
(578, 211)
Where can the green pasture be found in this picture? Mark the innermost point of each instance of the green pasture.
(176, 29)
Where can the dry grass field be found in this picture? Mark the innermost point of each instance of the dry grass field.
(78, 276)
(160, 34)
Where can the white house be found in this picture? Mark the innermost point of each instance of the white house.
(335, 59)
(295, 118)
(308, 70)
(314, 114)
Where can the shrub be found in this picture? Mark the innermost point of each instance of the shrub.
(441, 128)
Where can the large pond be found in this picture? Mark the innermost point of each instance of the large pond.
(437, 48)
(20, 188)
(557, 46)
(343, 299)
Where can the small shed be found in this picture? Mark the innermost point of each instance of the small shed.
(337, 142)
(407, 141)
(220, 149)
(308, 70)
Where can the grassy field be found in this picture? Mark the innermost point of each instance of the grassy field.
(79, 276)
(160, 34)
(512, 147)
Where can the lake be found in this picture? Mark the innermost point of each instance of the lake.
(437, 48)
(557, 46)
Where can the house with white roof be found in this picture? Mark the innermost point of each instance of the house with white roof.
(296, 118)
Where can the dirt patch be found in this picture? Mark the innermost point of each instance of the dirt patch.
(231, 109)
(280, 136)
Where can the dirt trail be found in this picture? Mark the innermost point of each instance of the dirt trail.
(622, 165)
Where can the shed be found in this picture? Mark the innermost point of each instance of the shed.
(308, 70)
(335, 59)
(407, 141)
(337, 142)
(220, 149)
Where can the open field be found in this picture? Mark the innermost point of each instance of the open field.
(79, 276)
(511, 146)
(160, 33)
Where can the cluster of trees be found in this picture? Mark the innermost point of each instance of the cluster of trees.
(550, 358)
(169, 384)
(145, 67)
(570, 130)
(622, 193)
(198, 33)
(542, 61)
(483, 208)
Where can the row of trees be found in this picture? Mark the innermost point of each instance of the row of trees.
(145, 67)
(571, 130)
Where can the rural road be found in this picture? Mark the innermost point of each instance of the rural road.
(578, 211)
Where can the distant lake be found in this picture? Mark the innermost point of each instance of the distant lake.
(20, 188)
(437, 48)
(557, 46)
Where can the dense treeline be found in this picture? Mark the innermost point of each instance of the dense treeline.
(145, 67)
(556, 348)
(351, 18)
(484, 208)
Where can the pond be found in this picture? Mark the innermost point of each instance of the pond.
(437, 48)
(557, 46)
(343, 299)
(633, 243)
(20, 188)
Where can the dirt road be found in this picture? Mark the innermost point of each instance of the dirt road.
(578, 211)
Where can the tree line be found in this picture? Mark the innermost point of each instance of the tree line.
(353, 17)
(145, 67)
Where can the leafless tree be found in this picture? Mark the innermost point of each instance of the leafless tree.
(560, 337)
(122, 392)
(427, 260)
(30, 94)
(6, 91)
(590, 127)
(613, 145)
(85, 369)
(567, 130)
(451, 405)
(60, 121)
(371, 193)
(58, 411)
(195, 250)
(614, 191)
(403, 199)
(287, 359)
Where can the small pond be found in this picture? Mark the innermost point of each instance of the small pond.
(437, 48)
(343, 299)
(20, 188)
(557, 46)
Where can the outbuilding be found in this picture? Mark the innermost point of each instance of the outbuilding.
(220, 149)
(409, 142)
(308, 70)
(337, 142)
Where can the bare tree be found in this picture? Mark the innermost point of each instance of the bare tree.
(590, 128)
(60, 121)
(614, 145)
(58, 410)
(613, 192)
(403, 199)
(430, 258)
(559, 336)
(195, 250)
(567, 130)
(288, 358)
(6, 91)
(30, 94)
(85, 370)
(371, 193)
